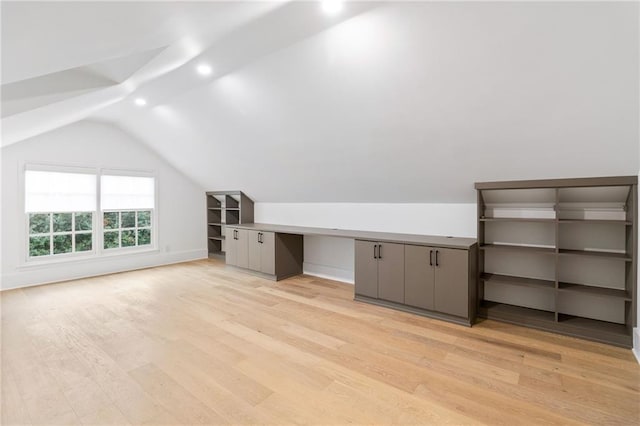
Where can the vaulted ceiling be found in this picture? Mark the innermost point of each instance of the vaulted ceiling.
(379, 102)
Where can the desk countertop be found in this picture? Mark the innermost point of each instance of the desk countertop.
(428, 240)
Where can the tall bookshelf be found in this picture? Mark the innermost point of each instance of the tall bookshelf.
(560, 255)
(225, 208)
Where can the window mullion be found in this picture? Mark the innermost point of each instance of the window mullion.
(50, 234)
(73, 230)
(98, 219)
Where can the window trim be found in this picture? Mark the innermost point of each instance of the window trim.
(98, 251)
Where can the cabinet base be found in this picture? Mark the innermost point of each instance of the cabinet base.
(261, 274)
(254, 273)
(412, 310)
(583, 328)
(216, 255)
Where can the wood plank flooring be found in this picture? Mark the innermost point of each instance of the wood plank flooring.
(195, 343)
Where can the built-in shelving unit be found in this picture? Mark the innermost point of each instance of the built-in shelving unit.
(225, 208)
(560, 255)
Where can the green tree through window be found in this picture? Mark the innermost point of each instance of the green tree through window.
(60, 233)
(128, 228)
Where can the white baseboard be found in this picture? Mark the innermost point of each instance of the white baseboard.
(636, 343)
(102, 266)
(328, 272)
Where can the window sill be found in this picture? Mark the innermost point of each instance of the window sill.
(103, 256)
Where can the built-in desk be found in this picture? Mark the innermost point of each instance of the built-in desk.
(424, 274)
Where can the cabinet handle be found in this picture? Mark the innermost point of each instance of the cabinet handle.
(260, 237)
(379, 251)
(374, 251)
(437, 251)
(235, 234)
(430, 257)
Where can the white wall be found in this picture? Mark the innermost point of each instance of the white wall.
(412, 102)
(181, 209)
(333, 257)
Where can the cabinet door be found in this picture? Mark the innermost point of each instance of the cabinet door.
(452, 282)
(254, 250)
(242, 248)
(366, 269)
(268, 253)
(391, 272)
(230, 251)
(419, 276)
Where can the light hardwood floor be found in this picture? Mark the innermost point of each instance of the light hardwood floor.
(195, 343)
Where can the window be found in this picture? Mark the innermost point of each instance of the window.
(63, 217)
(127, 228)
(59, 209)
(60, 233)
(127, 211)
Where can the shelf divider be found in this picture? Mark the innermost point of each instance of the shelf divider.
(507, 247)
(595, 291)
(518, 281)
(601, 254)
(516, 219)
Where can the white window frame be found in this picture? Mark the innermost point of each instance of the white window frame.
(98, 251)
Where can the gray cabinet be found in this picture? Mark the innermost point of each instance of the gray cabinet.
(254, 250)
(391, 272)
(366, 268)
(237, 247)
(419, 277)
(452, 282)
(268, 254)
(437, 279)
(379, 270)
(432, 281)
(231, 252)
(262, 251)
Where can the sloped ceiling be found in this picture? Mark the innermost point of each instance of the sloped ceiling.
(383, 102)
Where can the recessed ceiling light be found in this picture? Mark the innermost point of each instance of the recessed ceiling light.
(204, 69)
(140, 102)
(331, 7)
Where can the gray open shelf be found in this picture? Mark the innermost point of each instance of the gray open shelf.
(225, 208)
(565, 248)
